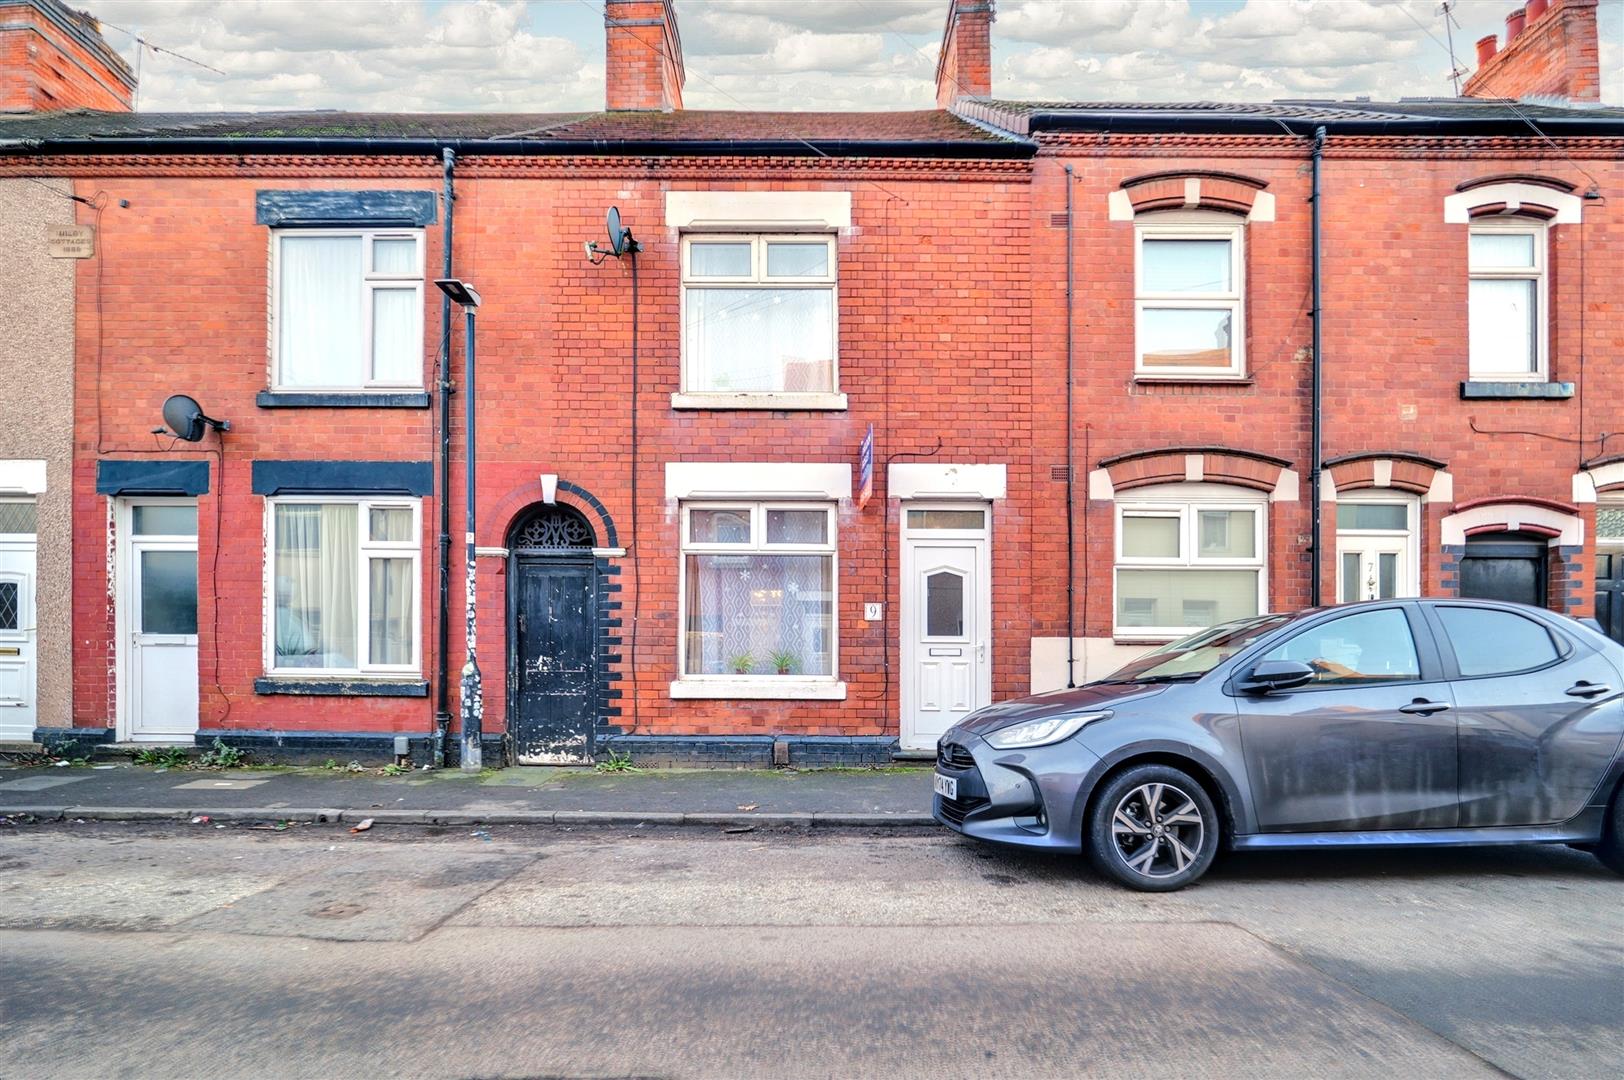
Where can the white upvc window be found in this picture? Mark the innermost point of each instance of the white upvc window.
(1508, 305)
(757, 599)
(1189, 295)
(760, 314)
(343, 589)
(1378, 556)
(1187, 559)
(346, 309)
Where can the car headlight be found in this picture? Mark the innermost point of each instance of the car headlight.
(1042, 732)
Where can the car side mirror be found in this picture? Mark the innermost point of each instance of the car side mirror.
(1273, 675)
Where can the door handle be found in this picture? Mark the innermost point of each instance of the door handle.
(1421, 707)
(1587, 689)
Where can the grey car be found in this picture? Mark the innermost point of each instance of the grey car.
(1387, 723)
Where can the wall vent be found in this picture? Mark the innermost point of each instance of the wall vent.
(1059, 220)
(1060, 473)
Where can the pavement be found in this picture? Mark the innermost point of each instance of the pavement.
(531, 796)
(165, 949)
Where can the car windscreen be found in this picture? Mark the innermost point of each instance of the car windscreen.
(1192, 657)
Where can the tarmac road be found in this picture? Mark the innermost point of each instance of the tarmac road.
(133, 950)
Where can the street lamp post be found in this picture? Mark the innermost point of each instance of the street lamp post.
(473, 691)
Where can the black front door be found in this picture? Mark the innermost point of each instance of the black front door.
(1610, 592)
(1504, 566)
(552, 658)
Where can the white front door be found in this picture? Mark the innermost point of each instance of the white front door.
(1372, 568)
(946, 617)
(159, 616)
(18, 636)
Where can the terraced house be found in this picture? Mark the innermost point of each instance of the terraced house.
(857, 422)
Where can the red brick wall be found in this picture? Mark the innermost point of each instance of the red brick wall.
(43, 69)
(964, 68)
(1556, 55)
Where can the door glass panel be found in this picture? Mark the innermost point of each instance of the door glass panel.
(946, 519)
(797, 526)
(10, 605)
(165, 520)
(944, 604)
(1350, 577)
(168, 592)
(1149, 537)
(1394, 517)
(1490, 642)
(16, 517)
(1356, 650)
(1227, 534)
(1386, 575)
(1609, 523)
(1502, 251)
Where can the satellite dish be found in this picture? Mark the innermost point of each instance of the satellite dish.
(618, 233)
(184, 416)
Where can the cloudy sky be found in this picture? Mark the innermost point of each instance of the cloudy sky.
(547, 55)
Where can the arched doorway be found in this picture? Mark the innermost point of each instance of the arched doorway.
(552, 636)
(1505, 566)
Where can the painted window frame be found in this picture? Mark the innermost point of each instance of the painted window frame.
(758, 279)
(1191, 225)
(367, 550)
(1410, 536)
(1538, 273)
(371, 282)
(758, 509)
(1184, 502)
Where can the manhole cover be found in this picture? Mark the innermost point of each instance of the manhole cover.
(337, 911)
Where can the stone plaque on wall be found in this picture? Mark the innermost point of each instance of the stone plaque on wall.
(71, 241)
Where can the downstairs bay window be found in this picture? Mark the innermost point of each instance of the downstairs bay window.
(758, 593)
(1187, 559)
(344, 586)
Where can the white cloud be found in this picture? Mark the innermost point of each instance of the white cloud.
(547, 55)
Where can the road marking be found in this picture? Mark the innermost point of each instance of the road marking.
(220, 785)
(40, 783)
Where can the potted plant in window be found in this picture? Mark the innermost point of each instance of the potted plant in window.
(784, 662)
(742, 663)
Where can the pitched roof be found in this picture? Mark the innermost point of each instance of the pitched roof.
(1463, 116)
(922, 132)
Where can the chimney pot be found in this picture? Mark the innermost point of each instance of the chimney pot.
(1536, 8)
(1487, 45)
(1514, 25)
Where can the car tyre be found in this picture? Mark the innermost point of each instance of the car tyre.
(1153, 828)
(1610, 850)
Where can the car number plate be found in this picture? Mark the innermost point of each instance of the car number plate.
(947, 787)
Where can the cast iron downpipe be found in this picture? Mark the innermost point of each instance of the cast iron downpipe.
(442, 699)
(1316, 436)
(1071, 463)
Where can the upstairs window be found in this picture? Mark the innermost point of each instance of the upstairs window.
(759, 314)
(1507, 301)
(347, 309)
(1188, 295)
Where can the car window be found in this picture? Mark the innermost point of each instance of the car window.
(1489, 642)
(1356, 650)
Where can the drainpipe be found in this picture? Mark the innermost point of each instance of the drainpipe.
(1317, 449)
(1071, 464)
(442, 707)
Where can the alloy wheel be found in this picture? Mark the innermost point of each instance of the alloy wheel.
(1158, 830)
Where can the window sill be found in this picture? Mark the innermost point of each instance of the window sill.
(1487, 389)
(1196, 380)
(340, 686)
(766, 687)
(773, 401)
(301, 399)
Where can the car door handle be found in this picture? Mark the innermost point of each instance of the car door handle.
(1419, 707)
(1587, 689)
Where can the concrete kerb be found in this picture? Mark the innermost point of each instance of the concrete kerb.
(307, 815)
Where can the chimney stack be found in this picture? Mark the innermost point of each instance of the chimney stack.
(642, 56)
(53, 57)
(1551, 51)
(964, 68)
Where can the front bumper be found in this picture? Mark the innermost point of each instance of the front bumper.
(1028, 798)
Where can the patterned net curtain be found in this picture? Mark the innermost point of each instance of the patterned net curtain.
(552, 528)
